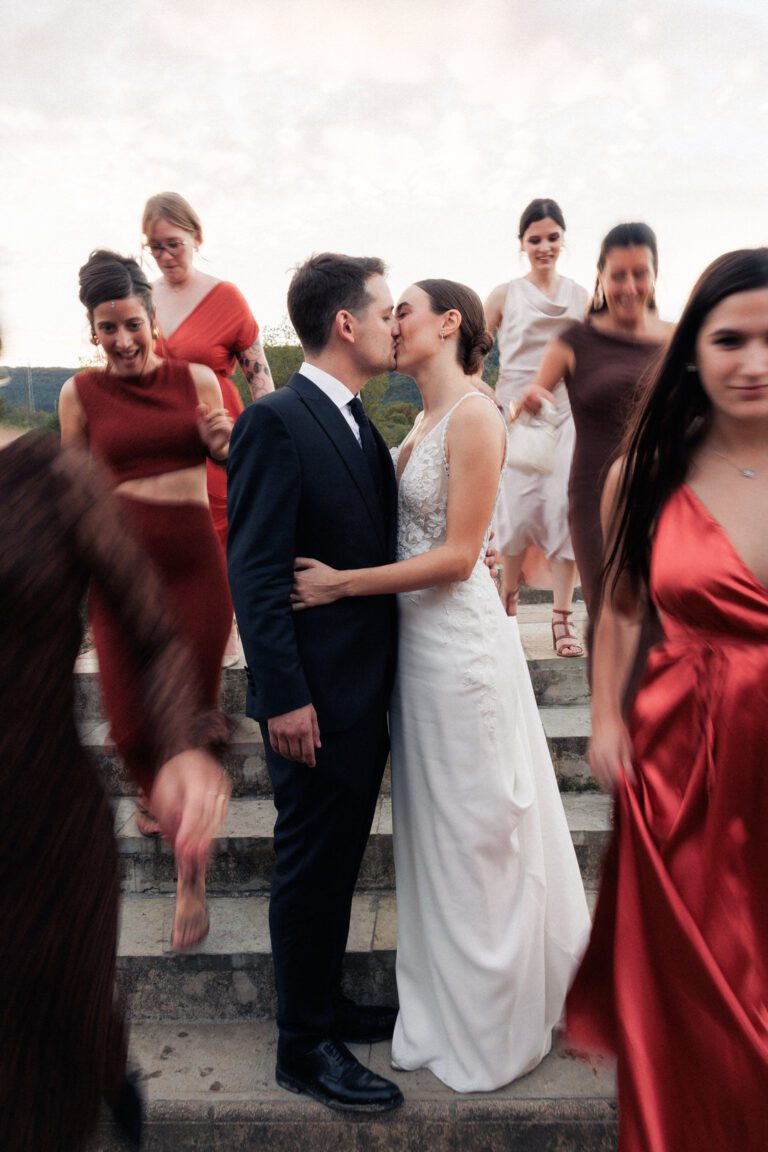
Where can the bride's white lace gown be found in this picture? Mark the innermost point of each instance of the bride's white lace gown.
(492, 917)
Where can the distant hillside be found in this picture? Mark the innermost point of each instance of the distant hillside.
(402, 390)
(45, 384)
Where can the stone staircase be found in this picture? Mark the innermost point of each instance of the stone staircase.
(202, 1028)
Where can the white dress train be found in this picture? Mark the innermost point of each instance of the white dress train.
(492, 916)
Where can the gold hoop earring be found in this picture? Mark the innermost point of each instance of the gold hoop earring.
(155, 332)
(94, 340)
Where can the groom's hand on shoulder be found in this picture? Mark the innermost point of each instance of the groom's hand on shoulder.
(295, 735)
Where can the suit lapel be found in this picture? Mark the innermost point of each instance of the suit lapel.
(343, 439)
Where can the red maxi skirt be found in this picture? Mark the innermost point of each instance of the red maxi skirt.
(675, 978)
(180, 540)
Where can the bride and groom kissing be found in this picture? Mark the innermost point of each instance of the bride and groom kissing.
(361, 593)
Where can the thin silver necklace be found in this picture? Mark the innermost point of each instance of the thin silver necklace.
(747, 473)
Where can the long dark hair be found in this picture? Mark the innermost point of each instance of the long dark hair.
(633, 235)
(671, 419)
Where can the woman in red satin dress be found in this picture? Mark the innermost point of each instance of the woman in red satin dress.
(204, 321)
(675, 979)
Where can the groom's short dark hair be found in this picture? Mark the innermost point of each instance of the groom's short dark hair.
(323, 285)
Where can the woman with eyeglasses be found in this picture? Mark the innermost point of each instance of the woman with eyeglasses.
(204, 321)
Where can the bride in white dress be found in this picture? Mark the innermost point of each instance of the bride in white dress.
(492, 917)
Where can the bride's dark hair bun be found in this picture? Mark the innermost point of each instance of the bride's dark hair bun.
(481, 346)
(108, 276)
(475, 341)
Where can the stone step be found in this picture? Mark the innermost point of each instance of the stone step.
(556, 681)
(229, 975)
(242, 862)
(544, 596)
(211, 1086)
(567, 729)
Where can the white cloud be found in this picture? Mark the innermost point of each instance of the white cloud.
(417, 129)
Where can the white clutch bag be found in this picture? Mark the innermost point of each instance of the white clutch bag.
(531, 441)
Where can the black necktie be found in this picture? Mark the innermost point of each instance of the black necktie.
(367, 441)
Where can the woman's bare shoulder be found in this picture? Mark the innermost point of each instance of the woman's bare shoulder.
(475, 417)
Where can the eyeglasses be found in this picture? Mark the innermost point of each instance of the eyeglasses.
(171, 246)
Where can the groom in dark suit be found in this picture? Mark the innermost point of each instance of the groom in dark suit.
(310, 476)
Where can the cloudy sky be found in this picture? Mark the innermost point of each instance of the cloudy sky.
(412, 129)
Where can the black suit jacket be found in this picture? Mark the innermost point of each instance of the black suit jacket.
(299, 485)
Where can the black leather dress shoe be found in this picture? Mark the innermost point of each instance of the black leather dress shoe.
(331, 1074)
(363, 1023)
(128, 1113)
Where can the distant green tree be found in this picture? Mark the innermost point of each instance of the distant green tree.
(403, 388)
(281, 333)
(283, 350)
(284, 360)
(396, 422)
(373, 394)
(22, 418)
(491, 366)
(393, 419)
(284, 355)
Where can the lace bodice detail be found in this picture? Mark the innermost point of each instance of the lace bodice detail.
(422, 498)
(460, 617)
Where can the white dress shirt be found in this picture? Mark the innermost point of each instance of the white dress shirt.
(341, 396)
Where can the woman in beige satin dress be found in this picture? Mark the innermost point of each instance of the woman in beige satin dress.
(532, 515)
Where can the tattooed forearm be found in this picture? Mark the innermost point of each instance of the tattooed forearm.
(256, 370)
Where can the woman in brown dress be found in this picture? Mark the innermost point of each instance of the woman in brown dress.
(602, 359)
(62, 1040)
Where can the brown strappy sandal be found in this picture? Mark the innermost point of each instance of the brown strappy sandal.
(568, 637)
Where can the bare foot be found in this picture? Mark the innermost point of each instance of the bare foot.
(190, 920)
(145, 821)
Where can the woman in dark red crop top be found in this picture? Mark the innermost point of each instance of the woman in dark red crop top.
(153, 423)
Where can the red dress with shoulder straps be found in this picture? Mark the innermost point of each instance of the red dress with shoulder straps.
(675, 978)
(217, 328)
